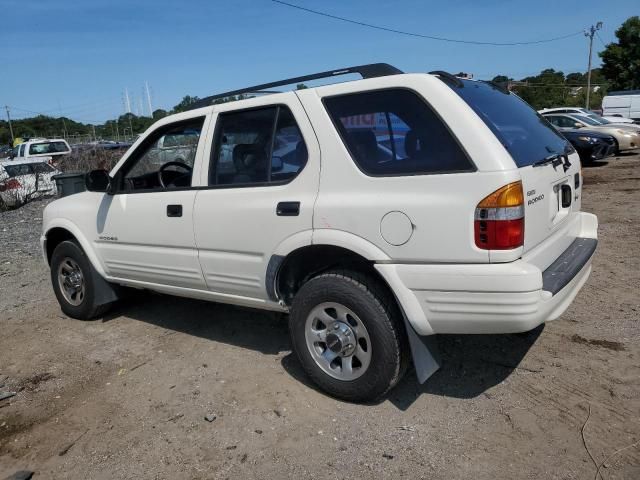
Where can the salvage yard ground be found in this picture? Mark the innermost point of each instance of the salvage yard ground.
(126, 396)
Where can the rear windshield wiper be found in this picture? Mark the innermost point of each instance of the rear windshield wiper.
(555, 159)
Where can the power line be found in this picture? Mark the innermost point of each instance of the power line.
(601, 41)
(420, 35)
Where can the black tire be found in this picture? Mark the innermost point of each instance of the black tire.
(373, 304)
(87, 308)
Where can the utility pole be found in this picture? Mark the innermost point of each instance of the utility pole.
(590, 33)
(127, 103)
(146, 86)
(10, 126)
(64, 125)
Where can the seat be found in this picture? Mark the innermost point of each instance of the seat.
(250, 163)
(366, 148)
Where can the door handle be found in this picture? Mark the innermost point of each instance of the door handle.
(174, 210)
(288, 209)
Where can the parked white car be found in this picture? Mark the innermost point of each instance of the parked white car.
(625, 104)
(21, 180)
(290, 204)
(41, 149)
(588, 113)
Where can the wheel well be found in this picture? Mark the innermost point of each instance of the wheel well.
(307, 262)
(55, 236)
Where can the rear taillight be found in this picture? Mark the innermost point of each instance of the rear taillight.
(499, 219)
(10, 184)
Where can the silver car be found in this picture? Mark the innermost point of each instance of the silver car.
(627, 136)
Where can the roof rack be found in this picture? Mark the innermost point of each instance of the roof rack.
(448, 77)
(366, 71)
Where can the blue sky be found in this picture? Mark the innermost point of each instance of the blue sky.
(77, 57)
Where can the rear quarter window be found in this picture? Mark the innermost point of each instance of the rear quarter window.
(394, 132)
(526, 135)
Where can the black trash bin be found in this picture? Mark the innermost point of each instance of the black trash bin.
(69, 183)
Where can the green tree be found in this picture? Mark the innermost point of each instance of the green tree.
(159, 113)
(185, 103)
(621, 60)
(501, 79)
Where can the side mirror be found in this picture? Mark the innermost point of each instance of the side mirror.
(276, 164)
(97, 181)
(577, 125)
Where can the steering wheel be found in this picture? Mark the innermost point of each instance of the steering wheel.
(171, 164)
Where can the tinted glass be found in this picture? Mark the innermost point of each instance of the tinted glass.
(289, 150)
(243, 146)
(173, 143)
(17, 170)
(394, 132)
(249, 151)
(27, 169)
(525, 134)
(48, 147)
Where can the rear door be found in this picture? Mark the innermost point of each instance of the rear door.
(261, 187)
(552, 189)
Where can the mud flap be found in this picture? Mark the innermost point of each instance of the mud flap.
(105, 292)
(425, 353)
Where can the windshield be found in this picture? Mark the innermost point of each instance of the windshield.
(526, 135)
(16, 170)
(588, 120)
(48, 147)
(598, 118)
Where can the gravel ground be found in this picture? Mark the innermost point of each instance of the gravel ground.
(126, 396)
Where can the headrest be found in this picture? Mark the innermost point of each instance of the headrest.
(248, 157)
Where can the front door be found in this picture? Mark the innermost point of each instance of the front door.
(145, 230)
(262, 184)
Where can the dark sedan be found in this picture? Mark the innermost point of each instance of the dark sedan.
(590, 145)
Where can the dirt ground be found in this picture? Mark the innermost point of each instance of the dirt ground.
(126, 396)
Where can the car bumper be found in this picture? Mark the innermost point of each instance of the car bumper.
(491, 298)
(626, 143)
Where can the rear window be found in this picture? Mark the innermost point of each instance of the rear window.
(47, 148)
(27, 169)
(394, 132)
(524, 133)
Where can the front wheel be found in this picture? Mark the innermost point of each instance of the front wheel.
(73, 283)
(348, 335)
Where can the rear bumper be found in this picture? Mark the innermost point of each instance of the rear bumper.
(491, 298)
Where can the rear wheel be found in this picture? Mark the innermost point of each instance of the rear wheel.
(72, 280)
(348, 335)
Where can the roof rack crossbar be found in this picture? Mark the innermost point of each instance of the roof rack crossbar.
(366, 71)
(446, 76)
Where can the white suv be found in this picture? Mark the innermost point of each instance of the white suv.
(376, 212)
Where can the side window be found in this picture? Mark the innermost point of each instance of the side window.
(257, 146)
(21, 151)
(554, 120)
(289, 154)
(567, 122)
(394, 132)
(165, 159)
